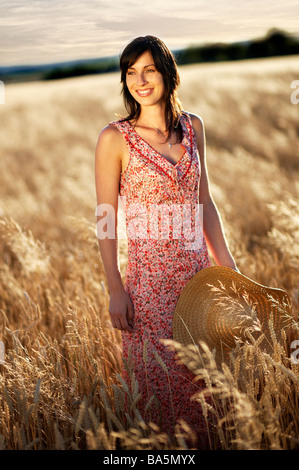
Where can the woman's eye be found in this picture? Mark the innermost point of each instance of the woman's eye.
(131, 72)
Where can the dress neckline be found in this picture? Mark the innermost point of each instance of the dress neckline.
(173, 165)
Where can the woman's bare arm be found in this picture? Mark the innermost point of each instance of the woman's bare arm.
(108, 162)
(212, 225)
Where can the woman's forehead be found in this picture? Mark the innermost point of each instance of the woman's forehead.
(145, 59)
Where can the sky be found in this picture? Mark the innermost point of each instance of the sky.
(36, 32)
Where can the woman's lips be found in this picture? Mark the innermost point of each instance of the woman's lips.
(145, 92)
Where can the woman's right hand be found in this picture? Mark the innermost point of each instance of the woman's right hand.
(121, 311)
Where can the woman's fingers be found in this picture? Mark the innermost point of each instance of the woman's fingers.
(114, 321)
(130, 315)
(123, 321)
(124, 324)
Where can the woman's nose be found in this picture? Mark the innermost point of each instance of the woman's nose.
(141, 79)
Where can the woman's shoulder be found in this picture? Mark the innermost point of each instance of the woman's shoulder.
(196, 121)
(110, 137)
(112, 130)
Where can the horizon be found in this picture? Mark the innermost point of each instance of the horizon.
(90, 59)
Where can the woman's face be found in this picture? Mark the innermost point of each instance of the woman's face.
(144, 82)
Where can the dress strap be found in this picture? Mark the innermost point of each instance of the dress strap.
(187, 121)
(122, 127)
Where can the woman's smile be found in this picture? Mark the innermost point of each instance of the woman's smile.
(145, 92)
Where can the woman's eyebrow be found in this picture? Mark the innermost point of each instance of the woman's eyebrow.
(150, 65)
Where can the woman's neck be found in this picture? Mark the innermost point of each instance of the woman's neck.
(153, 116)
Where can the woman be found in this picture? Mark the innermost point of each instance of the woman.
(155, 159)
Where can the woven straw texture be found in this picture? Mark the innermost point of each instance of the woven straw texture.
(218, 306)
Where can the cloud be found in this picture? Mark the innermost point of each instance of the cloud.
(42, 31)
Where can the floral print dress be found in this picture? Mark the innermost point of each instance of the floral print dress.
(160, 202)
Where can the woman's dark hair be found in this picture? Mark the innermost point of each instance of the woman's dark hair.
(166, 65)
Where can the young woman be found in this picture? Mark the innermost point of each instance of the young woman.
(155, 160)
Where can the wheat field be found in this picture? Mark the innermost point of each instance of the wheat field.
(60, 382)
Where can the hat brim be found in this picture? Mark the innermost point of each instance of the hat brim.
(218, 306)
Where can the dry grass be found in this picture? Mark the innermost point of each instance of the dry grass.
(60, 384)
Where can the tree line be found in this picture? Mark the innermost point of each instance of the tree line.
(276, 43)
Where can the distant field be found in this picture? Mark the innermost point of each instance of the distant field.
(62, 356)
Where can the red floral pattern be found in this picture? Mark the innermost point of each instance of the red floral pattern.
(158, 269)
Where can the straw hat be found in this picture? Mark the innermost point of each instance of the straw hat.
(219, 306)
